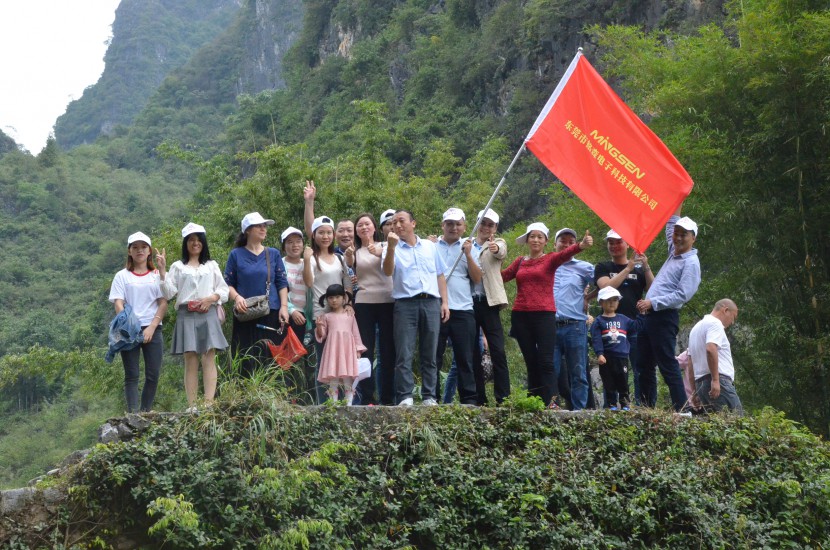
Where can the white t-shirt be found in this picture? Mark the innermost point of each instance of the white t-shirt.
(710, 330)
(194, 283)
(140, 291)
(328, 274)
(296, 285)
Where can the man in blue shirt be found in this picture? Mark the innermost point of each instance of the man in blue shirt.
(675, 284)
(420, 292)
(461, 327)
(570, 355)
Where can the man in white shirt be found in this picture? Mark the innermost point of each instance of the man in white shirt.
(711, 357)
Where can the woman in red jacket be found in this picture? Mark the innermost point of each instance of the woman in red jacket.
(533, 319)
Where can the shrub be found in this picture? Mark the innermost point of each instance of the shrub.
(259, 473)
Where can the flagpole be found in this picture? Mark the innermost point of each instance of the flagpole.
(536, 124)
(489, 204)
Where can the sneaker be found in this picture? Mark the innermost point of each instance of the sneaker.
(612, 408)
(687, 414)
(626, 408)
(191, 410)
(554, 406)
(429, 402)
(408, 402)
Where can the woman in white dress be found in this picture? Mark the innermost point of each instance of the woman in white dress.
(201, 290)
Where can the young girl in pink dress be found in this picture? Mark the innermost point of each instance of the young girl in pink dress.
(338, 329)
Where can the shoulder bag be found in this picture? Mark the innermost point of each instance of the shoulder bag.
(258, 306)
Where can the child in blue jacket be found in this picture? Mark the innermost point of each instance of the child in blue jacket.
(609, 336)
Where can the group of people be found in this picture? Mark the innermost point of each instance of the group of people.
(371, 290)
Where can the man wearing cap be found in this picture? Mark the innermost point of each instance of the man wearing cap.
(489, 298)
(570, 355)
(675, 284)
(461, 326)
(420, 292)
(711, 357)
(385, 222)
(632, 277)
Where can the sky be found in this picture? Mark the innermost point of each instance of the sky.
(50, 51)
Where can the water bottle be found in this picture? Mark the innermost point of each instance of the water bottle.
(351, 275)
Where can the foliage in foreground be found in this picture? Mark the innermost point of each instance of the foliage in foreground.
(259, 474)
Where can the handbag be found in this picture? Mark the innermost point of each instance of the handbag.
(288, 352)
(258, 306)
(487, 365)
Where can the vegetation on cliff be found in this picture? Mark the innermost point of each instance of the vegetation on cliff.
(254, 473)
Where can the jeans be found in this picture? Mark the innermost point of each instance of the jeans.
(535, 332)
(656, 345)
(728, 397)
(572, 349)
(370, 316)
(416, 318)
(152, 370)
(461, 330)
(489, 322)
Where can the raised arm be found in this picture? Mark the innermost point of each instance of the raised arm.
(309, 194)
(389, 259)
(308, 273)
(473, 269)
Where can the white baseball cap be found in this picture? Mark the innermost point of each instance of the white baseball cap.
(254, 218)
(535, 226)
(453, 214)
(191, 228)
(490, 215)
(320, 222)
(688, 224)
(608, 292)
(565, 231)
(290, 230)
(386, 216)
(139, 236)
(612, 235)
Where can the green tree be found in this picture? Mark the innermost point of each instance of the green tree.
(745, 108)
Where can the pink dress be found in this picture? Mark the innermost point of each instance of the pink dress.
(343, 345)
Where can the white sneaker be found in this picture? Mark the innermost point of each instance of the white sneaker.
(408, 402)
(429, 402)
(192, 410)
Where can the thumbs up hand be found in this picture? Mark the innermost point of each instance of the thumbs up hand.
(494, 246)
(587, 241)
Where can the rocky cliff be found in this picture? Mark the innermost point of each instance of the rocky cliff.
(150, 38)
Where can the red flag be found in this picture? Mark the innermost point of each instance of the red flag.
(589, 138)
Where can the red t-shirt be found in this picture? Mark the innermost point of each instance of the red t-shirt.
(534, 279)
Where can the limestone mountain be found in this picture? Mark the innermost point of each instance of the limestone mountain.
(150, 39)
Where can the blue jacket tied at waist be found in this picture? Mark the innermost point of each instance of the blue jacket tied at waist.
(125, 333)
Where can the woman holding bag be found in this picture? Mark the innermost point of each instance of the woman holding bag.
(257, 285)
(201, 290)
